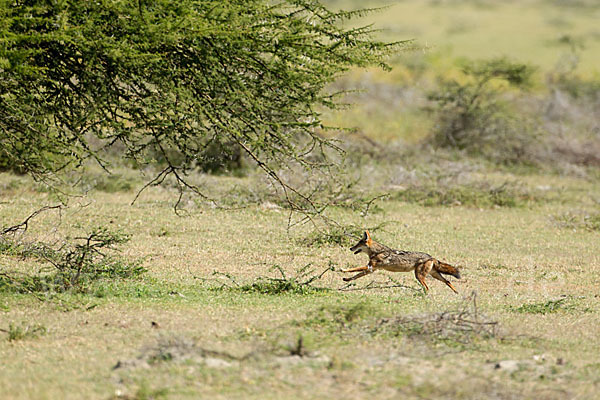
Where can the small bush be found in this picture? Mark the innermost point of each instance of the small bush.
(547, 307)
(71, 266)
(459, 326)
(565, 79)
(471, 115)
(301, 283)
(145, 392)
(24, 331)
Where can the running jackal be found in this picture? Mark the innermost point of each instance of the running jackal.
(382, 257)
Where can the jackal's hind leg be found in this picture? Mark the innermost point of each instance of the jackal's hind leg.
(421, 272)
(367, 271)
(439, 277)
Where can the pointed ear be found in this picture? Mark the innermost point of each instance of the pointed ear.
(367, 235)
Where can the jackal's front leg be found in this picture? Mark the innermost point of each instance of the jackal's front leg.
(366, 271)
(356, 269)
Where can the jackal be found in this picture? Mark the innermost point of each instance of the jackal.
(382, 257)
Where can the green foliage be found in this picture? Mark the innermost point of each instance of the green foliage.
(7, 164)
(516, 74)
(334, 236)
(171, 81)
(564, 77)
(146, 288)
(579, 88)
(470, 114)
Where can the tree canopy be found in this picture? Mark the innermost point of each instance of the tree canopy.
(158, 76)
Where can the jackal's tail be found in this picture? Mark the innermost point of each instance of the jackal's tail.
(447, 269)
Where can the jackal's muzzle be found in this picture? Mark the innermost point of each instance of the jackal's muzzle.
(358, 247)
(361, 245)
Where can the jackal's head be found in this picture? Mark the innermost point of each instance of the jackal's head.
(363, 244)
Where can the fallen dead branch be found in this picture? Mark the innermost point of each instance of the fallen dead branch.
(462, 325)
(389, 284)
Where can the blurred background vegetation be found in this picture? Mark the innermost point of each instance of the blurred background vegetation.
(454, 91)
(487, 93)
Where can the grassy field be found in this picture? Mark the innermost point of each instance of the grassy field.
(232, 304)
(180, 331)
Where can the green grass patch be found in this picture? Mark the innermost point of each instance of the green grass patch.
(589, 221)
(548, 307)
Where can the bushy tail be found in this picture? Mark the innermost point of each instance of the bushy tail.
(447, 269)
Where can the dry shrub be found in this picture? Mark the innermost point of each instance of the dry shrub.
(462, 326)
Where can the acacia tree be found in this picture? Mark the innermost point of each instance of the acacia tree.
(159, 76)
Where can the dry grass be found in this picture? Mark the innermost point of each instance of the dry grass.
(514, 258)
(176, 332)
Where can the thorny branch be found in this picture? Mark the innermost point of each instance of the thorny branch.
(460, 325)
(389, 284)
(23, 226)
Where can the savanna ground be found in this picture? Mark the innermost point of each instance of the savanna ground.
(228, 307)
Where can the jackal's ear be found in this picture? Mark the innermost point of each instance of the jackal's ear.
(367, 235)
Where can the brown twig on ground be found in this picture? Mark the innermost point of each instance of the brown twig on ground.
(390, 283)
(461, 325)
